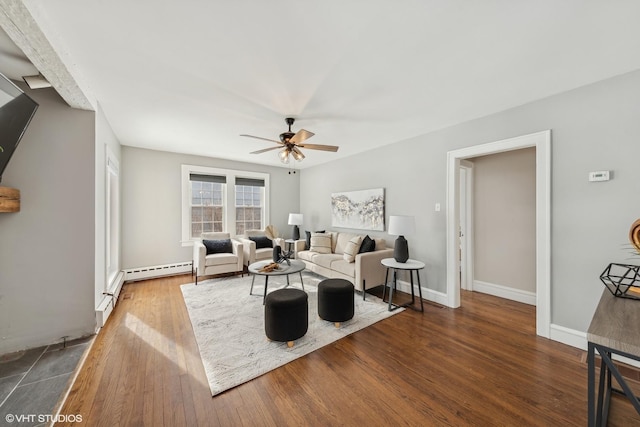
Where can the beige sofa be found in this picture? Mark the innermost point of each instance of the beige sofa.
(365, 272)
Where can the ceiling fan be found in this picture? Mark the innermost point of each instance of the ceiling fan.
(290, 143)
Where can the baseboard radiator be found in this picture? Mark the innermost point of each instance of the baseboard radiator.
(108, 303)
(157, 271)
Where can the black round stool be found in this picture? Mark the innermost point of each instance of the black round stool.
(286, 315)
(335, 300)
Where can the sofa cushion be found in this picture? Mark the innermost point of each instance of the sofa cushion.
(308, 241)
(218, 246)
(368, 245)
(342, 240)
(262, 242)
(352, 248)
(305, 255)
(344, 267)
(320, 243)
(220, 259)
(325, 260)
(334, 240)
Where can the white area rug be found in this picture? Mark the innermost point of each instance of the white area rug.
(229, 327)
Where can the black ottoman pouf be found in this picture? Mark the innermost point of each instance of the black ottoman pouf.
(335, 300)
(286, 315)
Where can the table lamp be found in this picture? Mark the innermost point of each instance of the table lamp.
(295, 219)
(399, 225)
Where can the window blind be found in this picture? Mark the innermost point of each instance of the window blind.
(221, 179)
(250, 181)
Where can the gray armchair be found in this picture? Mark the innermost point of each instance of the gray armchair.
(221, 261)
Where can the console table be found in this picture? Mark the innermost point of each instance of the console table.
(411, 265)
(614, 329)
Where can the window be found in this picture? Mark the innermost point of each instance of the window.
(207, 203)
(222, 200)
(249, 204)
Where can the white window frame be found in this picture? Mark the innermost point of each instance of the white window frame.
(229, 220)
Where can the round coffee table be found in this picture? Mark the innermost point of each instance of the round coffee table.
(294, 266)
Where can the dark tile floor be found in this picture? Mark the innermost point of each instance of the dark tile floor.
(33, 381)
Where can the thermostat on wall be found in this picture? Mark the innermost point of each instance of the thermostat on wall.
(599, 176)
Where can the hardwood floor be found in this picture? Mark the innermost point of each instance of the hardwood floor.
(481, 364)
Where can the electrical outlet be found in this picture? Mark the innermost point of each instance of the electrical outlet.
(599, 176)
(437, 207)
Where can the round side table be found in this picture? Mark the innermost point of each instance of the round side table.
(411, 265)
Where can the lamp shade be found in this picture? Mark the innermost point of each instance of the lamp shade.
(295, 219)
(401, 225)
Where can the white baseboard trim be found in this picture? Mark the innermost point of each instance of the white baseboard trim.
(157, 271)
(579, 340)
(568, 336)
(109, 300)
(428, 294)
(505, 292)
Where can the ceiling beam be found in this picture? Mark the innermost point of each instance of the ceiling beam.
(18, 22)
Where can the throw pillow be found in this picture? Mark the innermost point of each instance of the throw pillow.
(352, 248)
(218, 246)
(308, 233)
(262, 242)
(320, 243)
(368, 245)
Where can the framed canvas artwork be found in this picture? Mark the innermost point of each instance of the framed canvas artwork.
(362, 209)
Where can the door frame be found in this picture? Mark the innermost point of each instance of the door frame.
(542, 142)
(467, 241)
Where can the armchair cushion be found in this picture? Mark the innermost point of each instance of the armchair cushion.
(220, 259)
(218, 246)
(262, 242)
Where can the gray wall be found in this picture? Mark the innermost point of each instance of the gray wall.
(593, 128)
(504, 214)
(152, 198)
(47, 249)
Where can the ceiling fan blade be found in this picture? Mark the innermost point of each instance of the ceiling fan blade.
(319, 147)
(264, 139)
(300, 136)
(264, 150)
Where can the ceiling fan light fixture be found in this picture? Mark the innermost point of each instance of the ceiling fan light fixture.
(284, 156)
(297, 154)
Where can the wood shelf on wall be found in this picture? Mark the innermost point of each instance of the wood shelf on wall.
(9, 199)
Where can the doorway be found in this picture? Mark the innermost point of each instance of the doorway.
(466, 225)
(542, 142)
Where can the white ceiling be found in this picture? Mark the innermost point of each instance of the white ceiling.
(190, 76)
